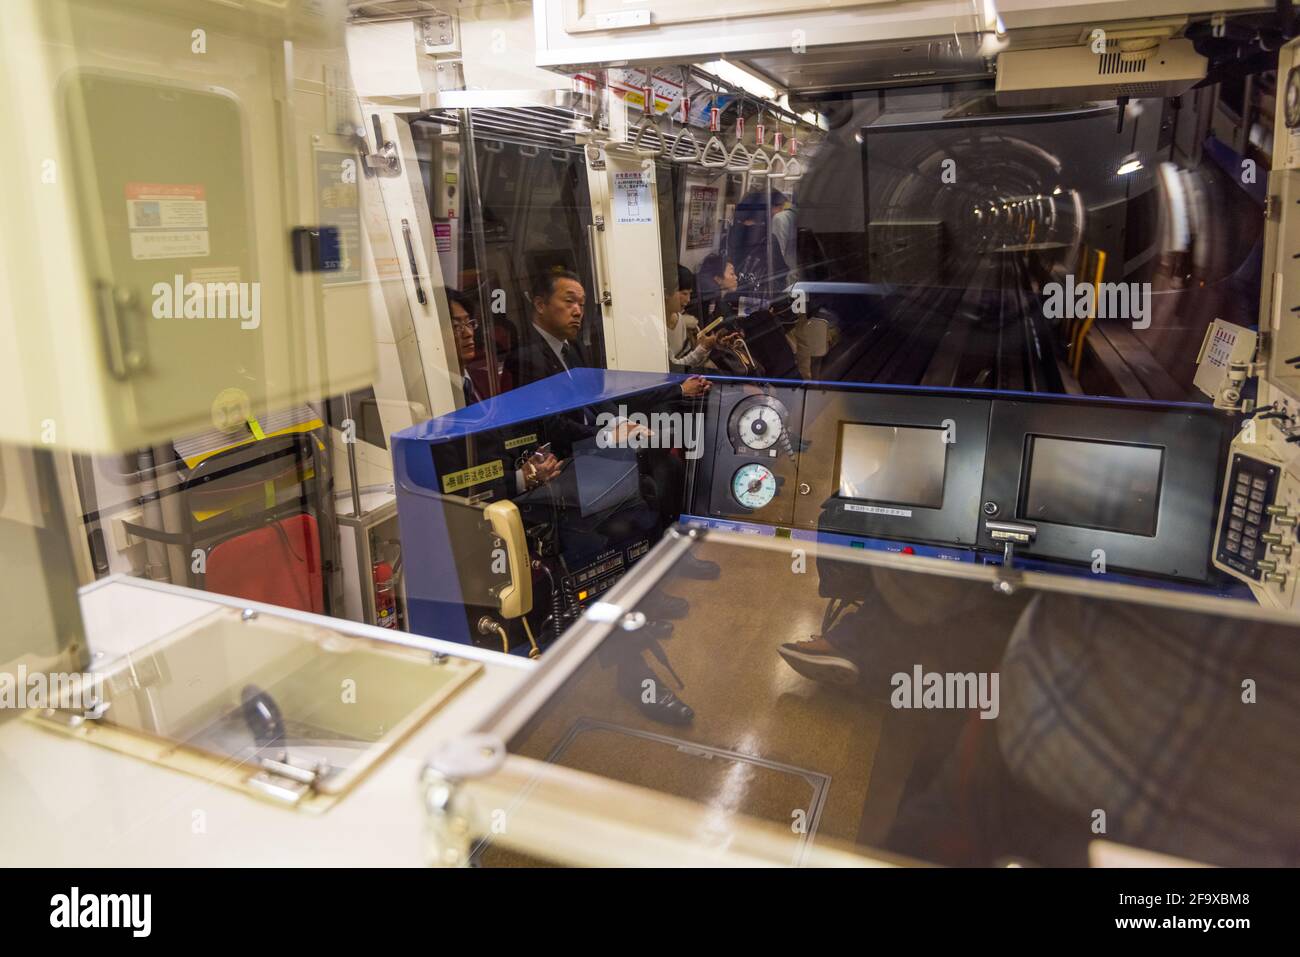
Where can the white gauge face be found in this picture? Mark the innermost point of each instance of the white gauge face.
(759, 426)
(753, 486)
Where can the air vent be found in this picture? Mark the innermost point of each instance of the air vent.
(1111, 63)
(1075, 74)
(1139, 89)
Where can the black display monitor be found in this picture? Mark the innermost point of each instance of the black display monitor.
(1102, 485)
(1124, 486)
(900, 465)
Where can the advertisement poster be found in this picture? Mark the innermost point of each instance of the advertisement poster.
(702, 212)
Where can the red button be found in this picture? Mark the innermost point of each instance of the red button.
(909, 550)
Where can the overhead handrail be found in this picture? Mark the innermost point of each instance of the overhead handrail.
(773, 172)
(738, 158)
(759, 163)
(714, 146)
(793, 170)
(694, 155)
(675, 143)
(648, 125)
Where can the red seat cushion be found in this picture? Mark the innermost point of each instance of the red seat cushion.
(267, 566)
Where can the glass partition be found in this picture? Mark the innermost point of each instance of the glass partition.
(938, 712)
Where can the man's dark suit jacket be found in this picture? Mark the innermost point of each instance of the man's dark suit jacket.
(535, 360)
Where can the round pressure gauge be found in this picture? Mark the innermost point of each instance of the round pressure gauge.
(757, 422)
(759, 426)
(753, 486)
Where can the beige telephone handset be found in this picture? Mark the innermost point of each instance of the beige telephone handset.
(517, 597)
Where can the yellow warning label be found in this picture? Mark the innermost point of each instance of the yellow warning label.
(476, 475)
(521, 440)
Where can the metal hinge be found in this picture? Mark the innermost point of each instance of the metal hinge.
(115, 308)
(285, 782)
(599, 222)
(76, 717)
(437, 32)
(1270, 207)
(384, 156)
(449, 812)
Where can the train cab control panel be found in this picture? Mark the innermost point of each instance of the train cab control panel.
(1089, 486)
(499, 558)
(1255, 538)
(1120, 488)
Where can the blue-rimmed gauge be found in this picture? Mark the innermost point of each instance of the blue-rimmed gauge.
(753, 486)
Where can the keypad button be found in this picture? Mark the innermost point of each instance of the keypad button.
(1234, 536)
(1238, 512)
(1231, 547)
(1235, 524)
(1256, 495)
(1239, 500)
(1247, 552)
(1261, 484)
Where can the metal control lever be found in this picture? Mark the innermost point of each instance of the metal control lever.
(384, 155)
(1010, 534)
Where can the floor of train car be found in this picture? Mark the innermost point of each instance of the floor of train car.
(765, 741)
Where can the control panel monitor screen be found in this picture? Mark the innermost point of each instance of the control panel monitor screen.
(1102, 485)
(889, 463)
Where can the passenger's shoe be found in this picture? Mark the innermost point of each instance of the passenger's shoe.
(819, 660)
(667, 708)
(692, 567)
(661, 605)
(637, 683)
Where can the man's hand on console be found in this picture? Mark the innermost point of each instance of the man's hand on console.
(540, 469)
(695, 386)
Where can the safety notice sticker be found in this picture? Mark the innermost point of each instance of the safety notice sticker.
(632, 198)
(167, 220)
(877, 510)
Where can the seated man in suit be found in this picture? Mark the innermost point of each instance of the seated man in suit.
(551, 346)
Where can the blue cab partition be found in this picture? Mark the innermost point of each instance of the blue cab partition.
(429, 503)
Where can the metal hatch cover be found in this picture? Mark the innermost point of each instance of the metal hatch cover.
(290, 712)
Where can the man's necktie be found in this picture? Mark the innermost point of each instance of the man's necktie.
(569, 356)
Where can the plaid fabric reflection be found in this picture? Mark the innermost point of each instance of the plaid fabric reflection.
(1139, 712)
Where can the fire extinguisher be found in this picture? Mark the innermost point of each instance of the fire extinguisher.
(385, 596)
